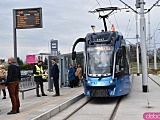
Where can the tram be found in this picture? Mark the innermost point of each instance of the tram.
(106, 61)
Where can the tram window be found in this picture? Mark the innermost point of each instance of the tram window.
(124, 60)
(121, 63)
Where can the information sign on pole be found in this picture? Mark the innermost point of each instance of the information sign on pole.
(54, 47)
(28, 18)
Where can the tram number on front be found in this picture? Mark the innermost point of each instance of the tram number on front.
(106, 48)
(100, 39)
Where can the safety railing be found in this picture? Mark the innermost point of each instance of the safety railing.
(26, 84)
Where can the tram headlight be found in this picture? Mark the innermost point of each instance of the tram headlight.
(111, 81)
(88, 81)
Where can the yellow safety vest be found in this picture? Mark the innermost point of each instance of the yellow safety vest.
(38, 69)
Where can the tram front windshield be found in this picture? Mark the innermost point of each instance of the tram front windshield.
(99, 60)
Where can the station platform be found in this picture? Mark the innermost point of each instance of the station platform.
(140, 105)
(132, 106)
(38, 108)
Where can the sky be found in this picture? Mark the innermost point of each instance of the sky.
(67, 21)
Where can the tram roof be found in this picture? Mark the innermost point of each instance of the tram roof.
(105, 32)
(103, 36)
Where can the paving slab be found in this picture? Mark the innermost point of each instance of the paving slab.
(137, 102)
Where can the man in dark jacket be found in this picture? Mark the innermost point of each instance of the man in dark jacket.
(12, 83)
(55, 76)
(38, 71)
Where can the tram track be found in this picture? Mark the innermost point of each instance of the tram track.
(111, 108)
(77, 109)
(115, 109)
(154, 81)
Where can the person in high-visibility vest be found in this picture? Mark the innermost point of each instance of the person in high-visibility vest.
(37, 72)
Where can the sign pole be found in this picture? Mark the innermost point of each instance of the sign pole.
(54, 54)
(14, 36)
(25, 19)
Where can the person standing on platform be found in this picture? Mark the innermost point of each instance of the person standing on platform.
(3, 80)
(37, 72)
(78, 74)
(13, 78)
(71, 75)
(55, 76)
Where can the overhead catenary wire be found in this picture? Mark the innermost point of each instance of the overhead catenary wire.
(131, 25)
(94, 7)
(128, 6)
(98, 3)
(127, 28)
(154, 32)
(138, 12)
(144, 12)
(153, 6)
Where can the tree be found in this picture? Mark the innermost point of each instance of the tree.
(158, 54)
(133, 53)
(19, 61)
(45, 64)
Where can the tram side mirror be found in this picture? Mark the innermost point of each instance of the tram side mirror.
(73, 55)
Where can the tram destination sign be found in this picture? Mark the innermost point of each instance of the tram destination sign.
(28, 18)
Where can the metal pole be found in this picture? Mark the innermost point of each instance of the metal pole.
(50, 82)
(143, 47)
(137, 36)
(14, 35)
(155, 56)
(149, 36)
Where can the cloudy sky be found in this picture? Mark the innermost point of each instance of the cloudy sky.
(65, 21)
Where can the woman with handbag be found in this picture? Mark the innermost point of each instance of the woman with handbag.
(2, 80)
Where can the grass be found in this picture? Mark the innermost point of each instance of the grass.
(150, 70)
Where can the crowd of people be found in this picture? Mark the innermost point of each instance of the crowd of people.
(12, 78)
(75, 75)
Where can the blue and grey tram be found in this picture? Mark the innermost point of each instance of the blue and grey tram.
(106, 64)
(106, 61)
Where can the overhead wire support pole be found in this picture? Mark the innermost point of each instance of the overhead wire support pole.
(137, 51)
(143, 47)
(149, 37)
(155, 51)
(155, 56)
